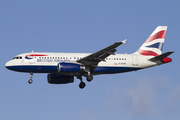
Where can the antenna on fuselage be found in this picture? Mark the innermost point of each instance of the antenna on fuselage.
(32, 51)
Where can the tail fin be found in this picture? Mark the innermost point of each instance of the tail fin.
(154, 44)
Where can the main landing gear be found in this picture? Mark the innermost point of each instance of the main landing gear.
(30, 80)
(83, 84)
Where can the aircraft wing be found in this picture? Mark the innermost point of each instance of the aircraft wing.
(95, 58)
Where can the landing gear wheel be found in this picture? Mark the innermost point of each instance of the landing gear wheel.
(82, 85)
(30, 81)
(89, 78)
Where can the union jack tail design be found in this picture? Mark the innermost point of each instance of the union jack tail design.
(154, 44)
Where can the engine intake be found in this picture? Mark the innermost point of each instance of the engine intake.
(69, 67)
(59, 79)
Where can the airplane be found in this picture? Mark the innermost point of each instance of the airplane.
(63, 67)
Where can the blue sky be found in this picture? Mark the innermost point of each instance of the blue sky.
(88, 26)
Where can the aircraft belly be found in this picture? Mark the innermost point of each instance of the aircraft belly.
(110, 70)
(34, 68)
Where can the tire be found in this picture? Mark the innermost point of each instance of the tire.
(82, 85)
(89, 78)
(30, 81)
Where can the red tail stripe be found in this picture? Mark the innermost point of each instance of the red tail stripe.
(160, 34)
(147, 52)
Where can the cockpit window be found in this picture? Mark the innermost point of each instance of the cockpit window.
(17, 57)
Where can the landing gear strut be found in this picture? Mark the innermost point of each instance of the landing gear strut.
(82, 84)
(89, 77)
(30, 80)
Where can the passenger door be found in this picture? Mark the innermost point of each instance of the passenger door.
(134, 60)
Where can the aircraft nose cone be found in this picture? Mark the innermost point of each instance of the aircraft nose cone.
(11, 66)
(8, 65)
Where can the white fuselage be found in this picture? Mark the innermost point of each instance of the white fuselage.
(41, 62)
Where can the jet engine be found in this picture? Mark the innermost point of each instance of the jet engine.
(59, 79)
(69, 67)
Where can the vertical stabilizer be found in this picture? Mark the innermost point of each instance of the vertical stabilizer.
(154, 44)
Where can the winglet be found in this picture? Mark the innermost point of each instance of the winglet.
(124, 41)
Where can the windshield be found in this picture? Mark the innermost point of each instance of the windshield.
(17, 57)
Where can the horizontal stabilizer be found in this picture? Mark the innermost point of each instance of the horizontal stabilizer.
(161, 57)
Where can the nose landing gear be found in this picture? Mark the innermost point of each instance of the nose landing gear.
(30, 80)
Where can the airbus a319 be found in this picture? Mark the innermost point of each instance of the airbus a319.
(63, 67)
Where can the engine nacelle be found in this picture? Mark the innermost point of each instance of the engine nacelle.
(59, 79)
(69, 67)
